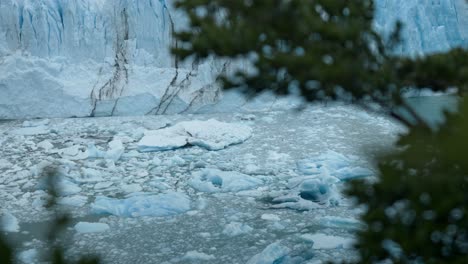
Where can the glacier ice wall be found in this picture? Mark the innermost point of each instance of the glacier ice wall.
(62, 58)
(429, 25)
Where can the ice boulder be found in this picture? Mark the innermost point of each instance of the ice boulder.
(273, 253)
(333, 163)
(9, 223)
(340, 222)
(195, 256)
(322, 241)
(309, 192)
(235, 229)
(214, 180)
(210, 134)
(166, 204)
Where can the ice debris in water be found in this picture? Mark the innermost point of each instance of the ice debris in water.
(340, 222)
(210, 134)
(63, 185)
(214, 180)
(235, 229)
(273, 253)
(85, 227)
(115, 150)
(166, 204)
(9, 223)
(318, 188)
(322, 241)
(28, 256)
(309, 192)
(335, 164)
(197, 256)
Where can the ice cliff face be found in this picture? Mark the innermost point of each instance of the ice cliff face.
(96, 58)
(429, 25)
(61, 58)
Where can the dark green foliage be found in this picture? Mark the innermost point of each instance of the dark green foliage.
(6, 252)
(57, 250)
(421, 200)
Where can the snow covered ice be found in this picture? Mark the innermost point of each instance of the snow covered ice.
(210, 134)
(143, 205)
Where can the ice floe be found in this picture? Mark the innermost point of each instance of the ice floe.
(333, 163)
(235, 229)
(28, 256)
(197, 256)
(214, 180)
(322, 241)
(273, 253)
(9, 223)
(86, 227)
(340, 222)
(210, 134)
(166, 204)
(76, 201)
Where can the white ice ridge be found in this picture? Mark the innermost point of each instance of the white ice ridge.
(210, 134)
(170, 203)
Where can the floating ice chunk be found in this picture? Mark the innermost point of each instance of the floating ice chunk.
(273, 253)
(211, 135)
(309, 192)
(115, 151)
(160, 140)
(63, 185)
(5, 164)
(46, 145)
(197, 256)
(28, 256)
(340, 222)
(131, 188)
(85, 227)
(93, 152)
(215, 135)
(103, 185)
(270, 217)
(9, 223)
(174, 161)
(335, 164)
(318, 189)
(66, 187)
(74, 152)
(322, 241)
(214, 180)
(76, 201)
(167, 204)
(235, 229)
(31, 131)
(89, 175)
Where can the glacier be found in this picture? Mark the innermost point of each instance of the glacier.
(80, 58)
